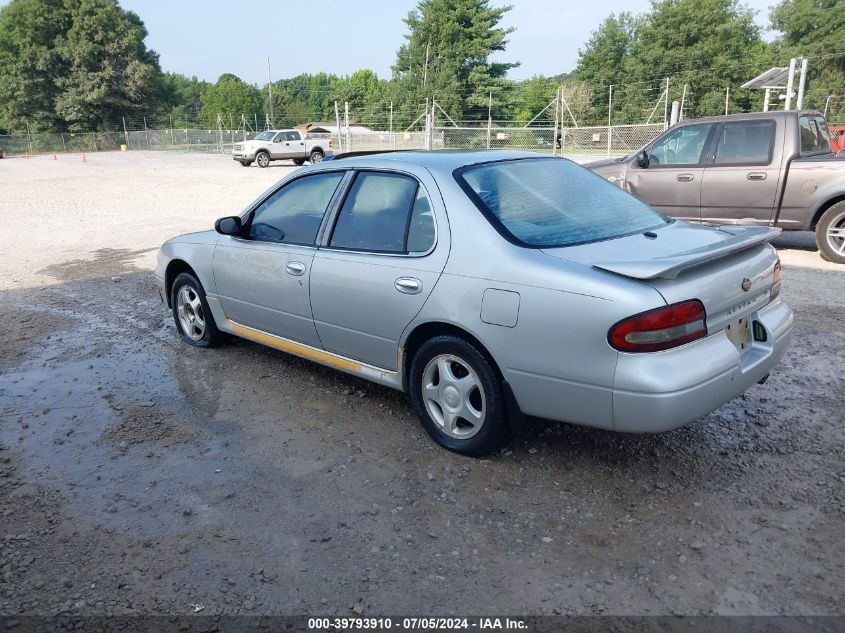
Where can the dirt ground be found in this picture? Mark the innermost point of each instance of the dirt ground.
(138, 475)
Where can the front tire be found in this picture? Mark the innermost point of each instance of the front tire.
(191, 312)
(458, 396)
(245, 163)
(298, 161)
(316, 157)
(263, 159)
(830, 234)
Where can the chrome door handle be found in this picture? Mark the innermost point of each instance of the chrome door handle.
(685, 177)
(757, 175)
(408, 285)
(295, 268)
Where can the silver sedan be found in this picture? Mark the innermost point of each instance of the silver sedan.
(488, 286)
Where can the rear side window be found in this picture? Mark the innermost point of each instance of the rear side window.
(293, 214)
(553, 202)
(815, 137)
(747, 142)
(384, 213)
(292, 136)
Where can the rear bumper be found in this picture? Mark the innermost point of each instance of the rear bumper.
(664, 390)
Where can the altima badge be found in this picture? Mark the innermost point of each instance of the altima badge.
(746, 284)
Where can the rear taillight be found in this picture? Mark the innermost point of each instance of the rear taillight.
(775, 290)
(660, 329)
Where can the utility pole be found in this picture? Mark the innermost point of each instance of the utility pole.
(489, 117)
(802, 79)
(727, 98)
(787, 104)
(270, 90)
(390, 126)
(425, 68)
(666, 106)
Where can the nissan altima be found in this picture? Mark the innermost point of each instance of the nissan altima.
(489, 286)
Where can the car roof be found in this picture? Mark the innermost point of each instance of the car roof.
(771, 114)
(440, 160)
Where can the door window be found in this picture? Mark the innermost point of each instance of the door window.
(747, 142)
(681, 146)
(815, 137)
(279, 137)
(293, 214)
(384, 213)
(292, 136)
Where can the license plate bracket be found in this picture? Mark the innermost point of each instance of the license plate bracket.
(739, 333)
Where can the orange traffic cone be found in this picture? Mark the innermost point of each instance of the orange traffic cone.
(84, 160)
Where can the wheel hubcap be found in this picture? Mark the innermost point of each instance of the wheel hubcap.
(454, 397)
(190, 313)
(836, 234)
(316, 158)
(263, 160)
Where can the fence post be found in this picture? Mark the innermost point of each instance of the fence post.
(390, 125)
(557, 119)
(146, 133)
(187, 146)
(346, 122)
(337, 121)
(609, 114)
(489, 116)
(171, 131)
(64, 147)
(666, 107)
(125, 133)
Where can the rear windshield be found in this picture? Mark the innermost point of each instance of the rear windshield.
(551, 202)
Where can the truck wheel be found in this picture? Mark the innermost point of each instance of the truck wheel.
(830, 234)
(298, 161)
(245, 163)
(263, 159)
(316, 156)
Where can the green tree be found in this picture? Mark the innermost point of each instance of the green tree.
(600, 62)
(73, 64)
(447, 55)
(813, 29)
(229, 97)
(181, 98)
(707, 44)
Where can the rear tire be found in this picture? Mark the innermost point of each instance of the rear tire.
(830, 234)
(316, 157)
(458, 396)
(263, 159)
(193, 317)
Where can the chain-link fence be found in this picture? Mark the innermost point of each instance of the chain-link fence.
(617, 140)
(494, 136)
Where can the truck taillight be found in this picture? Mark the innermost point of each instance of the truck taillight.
(660, 329)
(775, 290)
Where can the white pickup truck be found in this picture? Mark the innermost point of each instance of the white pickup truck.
(281, 145)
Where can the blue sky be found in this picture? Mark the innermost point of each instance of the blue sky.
(209, 37)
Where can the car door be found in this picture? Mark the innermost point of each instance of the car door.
(277, 148)
(671, 180)
(294, 144)
(377, 266)
(262, 276)
(742, 173)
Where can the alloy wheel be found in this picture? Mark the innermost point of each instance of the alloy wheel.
(190, 312)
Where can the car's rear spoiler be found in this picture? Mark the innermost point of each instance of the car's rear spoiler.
(669, 267)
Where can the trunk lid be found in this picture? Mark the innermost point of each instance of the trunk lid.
(729, 269)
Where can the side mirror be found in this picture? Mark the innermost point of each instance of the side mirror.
(642, 159)
(228, 226)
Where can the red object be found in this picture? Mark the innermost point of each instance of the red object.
(837, 137)
(663, 328)
(54, 156)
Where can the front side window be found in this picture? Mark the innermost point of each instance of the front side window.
(681, 146)
(553, 202)
(815, 137)
(280, 138)
(383, 213)
(292, 215)
(748, 142)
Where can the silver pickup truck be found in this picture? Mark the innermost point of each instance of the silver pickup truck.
(765, 168)
(281, 145)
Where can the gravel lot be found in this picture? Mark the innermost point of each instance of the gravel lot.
(138, 475)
